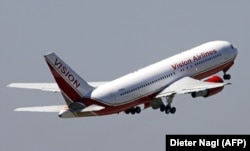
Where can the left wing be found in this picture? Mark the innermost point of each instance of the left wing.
(188, 85)
(52, 87)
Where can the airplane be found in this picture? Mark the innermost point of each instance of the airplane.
(153, 86)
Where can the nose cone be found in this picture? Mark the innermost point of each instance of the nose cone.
(236, 51)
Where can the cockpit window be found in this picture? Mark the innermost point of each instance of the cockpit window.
(232, 46)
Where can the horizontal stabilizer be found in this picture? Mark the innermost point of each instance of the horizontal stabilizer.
(58, 108)
(54, 108)
(52, 87)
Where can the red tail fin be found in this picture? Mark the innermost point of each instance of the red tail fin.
(71, 84)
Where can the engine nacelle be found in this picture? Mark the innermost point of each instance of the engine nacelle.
(215, 79)
(209, 92)
(204, 93)
(67, 114)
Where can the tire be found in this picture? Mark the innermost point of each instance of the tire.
(127, 111)
(167, 111)
(132, 111)
(173, 110)
(162, 108)
(137, 109)
(193, 95)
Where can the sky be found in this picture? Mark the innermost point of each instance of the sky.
(101, 41)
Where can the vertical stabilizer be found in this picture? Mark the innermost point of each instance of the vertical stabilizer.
(72, 86)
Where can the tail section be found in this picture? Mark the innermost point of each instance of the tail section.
(72, 86)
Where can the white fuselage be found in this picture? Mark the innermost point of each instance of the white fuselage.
(199, 62)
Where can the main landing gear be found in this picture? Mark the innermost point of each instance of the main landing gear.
(167, 108)
(133, 110)
(226, 76)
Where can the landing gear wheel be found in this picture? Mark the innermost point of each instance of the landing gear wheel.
(132, 111)
(127, 111)
(162, 108)
(172, 110)
(137, 109)
(193, 95)
(167, 109)
(226, 76)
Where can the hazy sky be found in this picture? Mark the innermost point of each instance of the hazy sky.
(103, 40)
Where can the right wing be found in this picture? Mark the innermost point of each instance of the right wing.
(188, 85)
(52, 87)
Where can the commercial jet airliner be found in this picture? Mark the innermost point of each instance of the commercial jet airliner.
(153, 86)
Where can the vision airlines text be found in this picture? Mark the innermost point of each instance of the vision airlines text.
(195, 58)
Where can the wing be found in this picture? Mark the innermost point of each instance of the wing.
(188, 85)
(52, 87)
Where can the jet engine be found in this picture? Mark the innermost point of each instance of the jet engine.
(209, 92)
